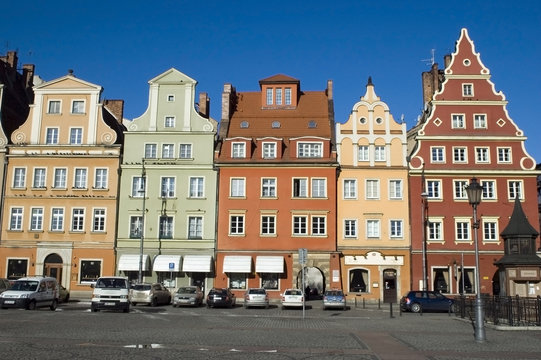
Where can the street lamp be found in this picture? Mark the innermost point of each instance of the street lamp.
(142, 238)
(424, 196)
(474, 191)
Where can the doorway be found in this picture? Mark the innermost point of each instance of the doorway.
(53, 267)
(389, 283)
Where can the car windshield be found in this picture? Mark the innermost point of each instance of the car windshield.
(23, 285)
(257, 291)
(141, 287)
(111, 283)
(186, 290)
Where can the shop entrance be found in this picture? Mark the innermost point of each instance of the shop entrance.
(53, 267)
(389, 283)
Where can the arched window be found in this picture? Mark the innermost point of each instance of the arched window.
(358, 280)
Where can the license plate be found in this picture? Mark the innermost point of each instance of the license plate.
(217, 298)
(109, 304)
(9, 302)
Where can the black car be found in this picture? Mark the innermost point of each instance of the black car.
(418, 300)
(221, 297)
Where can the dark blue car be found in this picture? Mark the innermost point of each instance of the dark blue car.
(418, 300)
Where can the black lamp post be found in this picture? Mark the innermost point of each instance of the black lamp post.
(475, 191)
(142, 238)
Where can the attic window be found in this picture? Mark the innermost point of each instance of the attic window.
(362, 120)
(379, 120)
(276, 125)
(467, 62)
(244, 124)
(170, 98)
(312, 124)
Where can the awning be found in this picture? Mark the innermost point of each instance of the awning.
(237, 264)
(269, 264)
(128, 262)
(197, 263)
(167, 263)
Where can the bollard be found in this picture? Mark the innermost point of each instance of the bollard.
(379, 304)
(364, 304)
(391, 309)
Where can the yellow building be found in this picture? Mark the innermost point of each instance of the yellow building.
(61, 186)
(372, 197)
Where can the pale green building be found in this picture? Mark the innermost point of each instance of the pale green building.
(168, 170)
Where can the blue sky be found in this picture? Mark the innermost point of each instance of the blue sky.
(120, 45)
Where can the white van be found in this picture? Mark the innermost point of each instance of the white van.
(111, 293)
(31, 293)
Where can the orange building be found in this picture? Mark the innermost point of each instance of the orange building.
(277, 188)
(60, 196)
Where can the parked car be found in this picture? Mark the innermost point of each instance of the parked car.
(64, 294)
(417, 301)
(221, 297)
(5, 284)
(31, 293)
(188, 295)
(292, 298)
(111, 293)
(256, 297)
(334, 298)
(150, 294)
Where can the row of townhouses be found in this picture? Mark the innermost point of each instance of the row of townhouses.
(177, 197)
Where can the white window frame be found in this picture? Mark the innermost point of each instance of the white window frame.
(138, 186)
(318, 187)
(299, 225)
(318, 225)
(268, 188)
(490, 225)
(36, 219)
(16, 219)
(51, 136)
(77, 219)
(185, 151)
(458, 121)
(309, 149)
(373, 228)
(170, 97)
(237, 228)
(99, 220)
(19, 178)
(489, 190)
(237, 187)
(434, 229)
(363, 153)
(168, 151)
(437, 154)
(166, 227)
(151, 151)
(269, 96)
(167, 187)
(459, 189)
(462, 153)
(287, 96)
(238, 150)
(372, 190)
(80, 178)
(434, 189)
(40, 178)
(55, 105)
(479, 121)
(76, 136)
(514, 186)
(396, 191)
(302, 187)
(101, 176)
(197, 187)
(350, 189)
(350, 228)
(195, 227)
(268, 225)
(504, 155)
(380, 153)
(463, 229)
(269, 150)
(78, 106)
(57, 219)
(169, 121)
(136, 225)
(396, 228)
(467, 90)
(278, 96)
(482, 155)
(60, 178)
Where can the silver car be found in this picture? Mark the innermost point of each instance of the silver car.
(152, 294)
(256, 297)
(292, 298)
(188, 295)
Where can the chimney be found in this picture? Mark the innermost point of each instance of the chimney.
(447, 60)
(430, 82)
(12, 59)
(329, 89)
(28, 75)
(204, 105)
(227, 101)
(115, 107)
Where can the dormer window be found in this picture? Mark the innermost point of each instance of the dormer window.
(269, 96)
(275, 125)
(312, 124)
(309, 150)
(278, 96)
(238, 150)
(244, 124)
(288, 96)
(269, 150)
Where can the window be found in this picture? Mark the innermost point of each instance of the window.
(238, 150)
(363, 153)
(185, 151)
(166, 227)
(80, 179)
(441, 281)
(100, 181)
(372, 189)
(372, 228)
(288, 96)
(90, 271)
(458, 121)
(236, 225)
(195, 227)
(462, 230)
(435, 230)
(358, 280)
(350, 228)
(138, 186)
(504, 155)
(460, 189)
(39, 178)
(268, 187)
(269, 150)
(60, 178)
(433, 188)
(17, 268)
(379, 153)
(54, 107)
(19, 178)
(395, 189)
(36, 222)
(168, 187)
(237, 281)
(480, 121)
(168, 151)
(98, 225)
(51, 136)
(78, 107)
(489, 189)
(350, 189)
(300, 188)
(318, 225)
(268, 225)
(169, 122)
(269, 281)
(269, 96)
(237, 187)
(276, 124)
(76, 136)
(467, 89)
(309, 150)
(481, 155)
(514, 189)
(438, 154)
(490, 230)
(77, 220)
(278, 96)
(300, 225)
(57, 219)
(319, 188)
(396, 229)
(16, 221)
(150, 151)
(197, 187)
(459, 155)
(136, 224)
(170, 98)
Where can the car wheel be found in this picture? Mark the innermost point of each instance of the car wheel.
(31, 306)
(154, 302)
(415, 307)
(93, 308)
(126, 310)
(53, 305)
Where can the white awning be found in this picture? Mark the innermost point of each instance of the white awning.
(269, 264)
(129, 262)
(197, 263)
(237, 264)
(167, 263)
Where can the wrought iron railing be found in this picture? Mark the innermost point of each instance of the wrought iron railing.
(502, 310)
